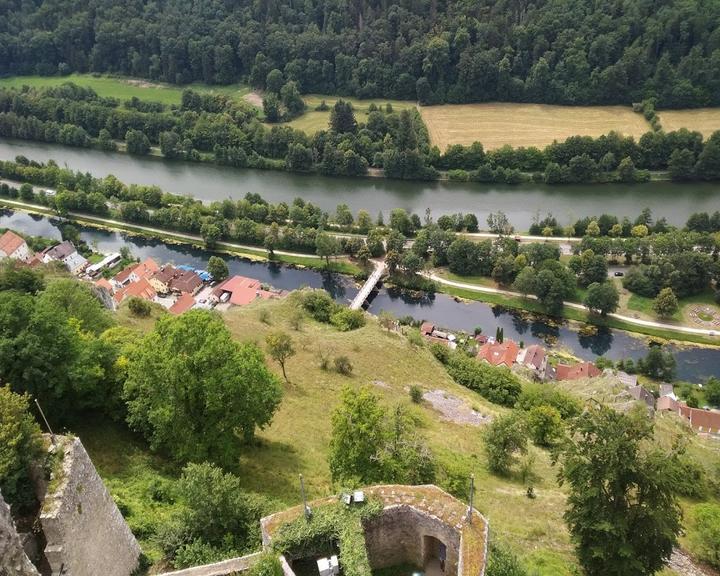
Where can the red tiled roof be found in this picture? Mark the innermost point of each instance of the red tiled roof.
(182, 304)
(104, 283)
(427, 328)
(534, 356)
(577, 371)
(146, 268)
(499, 353)
(141, 289)
(165, 274)
(9, 242)
(124, 274)
(186, 281)
(243, 290)
(704, 420)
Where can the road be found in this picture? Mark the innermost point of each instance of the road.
(628, 319)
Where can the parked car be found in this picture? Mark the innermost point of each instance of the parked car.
(618, 273)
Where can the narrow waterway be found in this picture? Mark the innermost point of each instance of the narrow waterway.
(521, 203)
(695, 364)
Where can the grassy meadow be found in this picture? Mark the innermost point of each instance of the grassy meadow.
(703, 120)
(124, 88)
(497, 124)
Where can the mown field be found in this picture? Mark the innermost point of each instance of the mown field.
(497, 124)
(704, 120)
(124, 88)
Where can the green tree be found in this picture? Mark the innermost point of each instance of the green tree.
(657, 364)
(210, 233)
(137, 142)
(292, 100)
(665, 304)
(20, 445)
(326, 246)
(139, 307)
(682, 164)
(280, 347)
(342, 118)
(602, 297)
(192, 390)
(545, 424)
(218, 268)
(274, 81)
(712, 391)
(271, 108)
(706, 535)
(505, 439)
(622, 511)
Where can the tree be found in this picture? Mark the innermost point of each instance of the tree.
(342, 118)
(139, 307)
(681, 164)
(292, 100)
(593, 229)
(545, 424)
(326, 246)
(20, 445)
(505, 438)
(602, 297)
(210, 233)
(271, 108)
(191, 389)
(526, 281)
(137, 142)
(622, 510)
(657, 364)
(274, 81)
(280, 347)
(706, 518)
(218, 268)
(498, 223)
(665, 304)
(708, 164)
(712, 391)
(626, 170)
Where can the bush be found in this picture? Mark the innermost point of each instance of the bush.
(497, 384)
(707, 532)
(139, 307)
(343, 365)
(345, 319)
(440, 351)
(416, 394)
(505, 438)
(319, 304)
(268, 565)
(502, 562)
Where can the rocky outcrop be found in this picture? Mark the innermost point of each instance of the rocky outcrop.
(13, 560)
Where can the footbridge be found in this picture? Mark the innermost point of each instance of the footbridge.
(368, 287)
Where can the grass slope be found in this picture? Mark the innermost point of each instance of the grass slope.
(496, 124)
(124, 88)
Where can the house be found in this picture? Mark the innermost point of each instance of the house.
(186, 281)
(135, 272)
(642, 395)
(707, 421)
(184, 303)
(533, 357)
(499, 353)
(108, 262)
(427, 328)
(481, 339)
(15, 247)
(66, 253)
(239, 291)
(142, 289)
(160, 280)
(577, 371)
(104, 284)
(667, 390)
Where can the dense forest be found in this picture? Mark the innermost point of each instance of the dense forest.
(558, 51)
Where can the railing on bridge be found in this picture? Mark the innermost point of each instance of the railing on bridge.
(367, 288)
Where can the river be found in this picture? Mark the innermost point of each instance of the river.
(695, 364)
(521, 203)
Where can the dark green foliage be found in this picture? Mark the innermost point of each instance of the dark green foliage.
(502, 562)
(217, 268)
(15, 276)
(706, 518)
(622, 512)
(712, 391)
(602, 297)
(534, 395)
(506, 438)
(137, 142)
(416, 394)
(320, 305)
(497, 384)
(658, 364)
(139, 307)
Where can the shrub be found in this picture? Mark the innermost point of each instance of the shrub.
(139, 307)
(343, 365)
(345, 319)
(505, 438)
(319, 304)
(502, 562)
(416, 394)
(264, 315)
(707, 532)
(440, 351)
(267, 565)
(497, 384)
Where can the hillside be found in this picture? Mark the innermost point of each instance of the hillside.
(557, 51)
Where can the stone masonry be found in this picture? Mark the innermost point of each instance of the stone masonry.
(86, 534)
(13, 560)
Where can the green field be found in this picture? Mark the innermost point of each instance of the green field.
(124, 88)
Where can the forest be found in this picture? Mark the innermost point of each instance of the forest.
(552, 51)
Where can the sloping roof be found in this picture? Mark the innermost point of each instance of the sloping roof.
(427, 328)
(244, 290)
(639, 393)
(184, 303)
(104, 283)
(141, 289)
(165, 274)
(60, 251)
(124, 274)
(75, 261)
(577, 371)
(146, 268)
(534, 356)
(499, 353)
(667, 390)
(704, 420)
(10, 242)
(186, 281)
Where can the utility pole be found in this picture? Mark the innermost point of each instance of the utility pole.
(306, 508)
(52, 435)
(470, 500)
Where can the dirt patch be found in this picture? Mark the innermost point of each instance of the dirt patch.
(380, 384)
(254, 98)
(681, 563)
(142, 84)
(454, 409)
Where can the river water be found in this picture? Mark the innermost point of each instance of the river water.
(694, 364)
(521, 203)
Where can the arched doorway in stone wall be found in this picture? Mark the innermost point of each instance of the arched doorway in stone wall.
(434, 556)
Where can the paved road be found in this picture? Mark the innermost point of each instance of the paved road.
(628, 319)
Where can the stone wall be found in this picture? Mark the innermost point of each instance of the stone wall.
(13, 560)
(397, 536)
(86, 534)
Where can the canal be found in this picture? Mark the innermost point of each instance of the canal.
(695, 364)
(521, 203)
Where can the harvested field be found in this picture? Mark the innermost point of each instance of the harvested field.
(704, 120)
(498, 124)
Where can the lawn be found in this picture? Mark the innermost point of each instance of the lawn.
(496, 124)
(644, 305)
(314, 120)
(124, 88)
(704, 120)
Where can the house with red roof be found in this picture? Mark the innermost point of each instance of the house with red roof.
(184, 303)
(707, 421)
(576, 371)
(15, 247)
(186, 281)
(499, 353)
(135, 272)
(142, 289)
(240, 291)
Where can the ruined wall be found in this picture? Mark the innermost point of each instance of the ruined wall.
(85, 532)
(397, 537)
(13, 560)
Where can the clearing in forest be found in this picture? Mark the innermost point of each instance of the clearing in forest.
(497, 124)
(703, 120)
